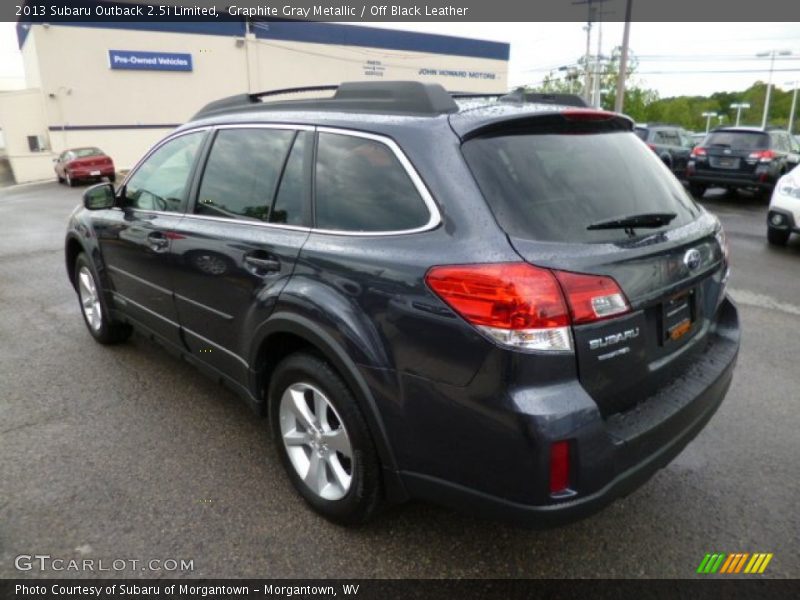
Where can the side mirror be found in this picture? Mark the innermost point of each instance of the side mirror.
(99, 197)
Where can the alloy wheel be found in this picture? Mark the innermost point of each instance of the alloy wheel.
(316, 441)
(90, 299)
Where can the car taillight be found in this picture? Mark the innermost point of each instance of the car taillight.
(559, 467)
(516, 304)
(652, 147)
(592, 297)
(587, 114)
(524, 306)
(698, 151)
(762, 155)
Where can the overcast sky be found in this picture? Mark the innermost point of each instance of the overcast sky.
(674, 58)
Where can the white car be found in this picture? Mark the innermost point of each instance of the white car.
(784, 209)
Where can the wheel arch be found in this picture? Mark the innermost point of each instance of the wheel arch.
(287, 333)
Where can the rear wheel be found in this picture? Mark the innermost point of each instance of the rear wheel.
(323, 440)
(777, 237)
(96, 315)
(697, 189)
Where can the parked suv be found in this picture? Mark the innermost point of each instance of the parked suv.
(742, 157)
(497, 305)
(672, 144)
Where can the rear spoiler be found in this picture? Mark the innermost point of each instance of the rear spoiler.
(569, 120)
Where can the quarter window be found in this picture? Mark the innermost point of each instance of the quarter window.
(361, 186)
(242, 172)
(160, 183)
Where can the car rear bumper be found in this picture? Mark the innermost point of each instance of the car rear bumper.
(760, 179)
(612, 456)
(90, 173)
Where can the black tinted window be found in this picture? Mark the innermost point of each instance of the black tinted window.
(361, 186)
(160, 182)
(739, 140)
(241, 173)
(642, 133)
(292, 199)
(552, 187)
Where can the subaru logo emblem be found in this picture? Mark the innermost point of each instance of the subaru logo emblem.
(726, 151)
(692, 259)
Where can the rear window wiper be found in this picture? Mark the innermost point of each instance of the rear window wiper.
(632, 222)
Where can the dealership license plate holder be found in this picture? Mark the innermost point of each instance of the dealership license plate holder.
(94, 173)
(678, 315)
(728, 163)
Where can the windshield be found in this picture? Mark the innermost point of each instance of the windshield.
(739, 140)
(551, 187)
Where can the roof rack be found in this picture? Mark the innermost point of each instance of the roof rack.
(393, 97)
(389, 97)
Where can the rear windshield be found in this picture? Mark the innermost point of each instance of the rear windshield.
(84, 152)
(739, 140)
(551, 187)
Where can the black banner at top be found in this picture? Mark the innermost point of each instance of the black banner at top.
(422, 10)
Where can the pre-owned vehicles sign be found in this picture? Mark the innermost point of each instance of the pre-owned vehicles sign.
(149, 61)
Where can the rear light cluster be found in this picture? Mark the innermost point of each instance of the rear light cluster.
(524, 306)
(762, 155)
(698, 151)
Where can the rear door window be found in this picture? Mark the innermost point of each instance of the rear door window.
(551, 187)
(362, 187)
(242, 171)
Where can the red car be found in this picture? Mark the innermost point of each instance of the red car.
(82, 164)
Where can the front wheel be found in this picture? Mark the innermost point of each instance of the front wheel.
(777, 237)
(96, 315)
(323, 440)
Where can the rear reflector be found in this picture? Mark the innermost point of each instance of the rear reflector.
(559, 467)
(592, 297)
(516, 304)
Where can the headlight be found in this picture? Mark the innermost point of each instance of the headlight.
(789, 187)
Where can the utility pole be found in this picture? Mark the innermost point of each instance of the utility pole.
(587, 77)
(794, 106)
(619, 102)
(772, 54)
(596, 94)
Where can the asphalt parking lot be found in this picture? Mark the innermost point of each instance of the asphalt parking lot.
(126, 452)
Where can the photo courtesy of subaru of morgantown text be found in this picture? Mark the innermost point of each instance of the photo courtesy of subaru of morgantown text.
(420, 293)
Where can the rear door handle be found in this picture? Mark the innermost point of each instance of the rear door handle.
(262, 264)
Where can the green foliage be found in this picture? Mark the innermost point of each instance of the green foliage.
(644, 105)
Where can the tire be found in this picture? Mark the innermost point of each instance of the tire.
(306, 390)
(697, 189)
(112, 178)
(60, 178)
(93, 305)
(777, 237)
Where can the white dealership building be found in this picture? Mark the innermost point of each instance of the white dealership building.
(123, 85)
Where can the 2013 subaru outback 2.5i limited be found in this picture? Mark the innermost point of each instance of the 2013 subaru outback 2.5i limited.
(504, 306)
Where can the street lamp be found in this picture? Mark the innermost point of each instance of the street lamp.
(709, 116)
(772, 54)
(739, 106)
(794, 103)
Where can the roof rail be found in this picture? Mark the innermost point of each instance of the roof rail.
(520, 96)
(391, 97)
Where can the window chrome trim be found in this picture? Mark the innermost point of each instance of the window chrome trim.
(435, 217)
